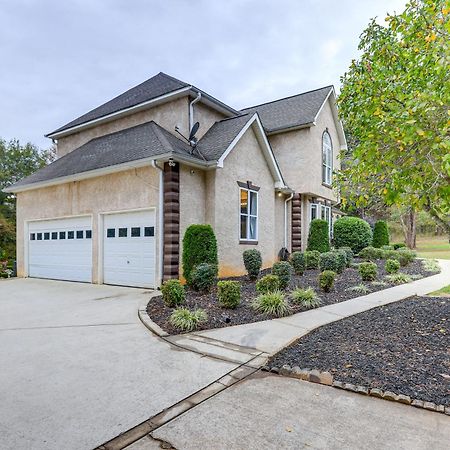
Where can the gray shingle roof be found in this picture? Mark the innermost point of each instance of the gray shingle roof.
(217, 139)
(131, 144)
(292, 111)
(154, 87)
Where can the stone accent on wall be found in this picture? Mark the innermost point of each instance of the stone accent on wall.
(296, 223)
(171, 248)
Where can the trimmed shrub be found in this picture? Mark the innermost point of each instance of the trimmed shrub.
(349, 255)
(341, 259)
(252, 262)
(380, 234)
(186, 320)
(387, 247)
(352, 232)
(329, 261)
(399, 245)
(305, 297)
(199, 246)
(392, 266)
(318, 237)
(272, 303)
(405, 256)
(371, 253)
(268, 283)
(173, 293)
(368, 271)
(312, 259)
(229, 293)
(283, 270)
(203, 277)
(298, 262)
(326, 280)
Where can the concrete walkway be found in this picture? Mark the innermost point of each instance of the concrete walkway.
(271, 412)
(78, 367)
(270, 336)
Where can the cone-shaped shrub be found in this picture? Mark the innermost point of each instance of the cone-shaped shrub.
(318, 237)
(380, 234)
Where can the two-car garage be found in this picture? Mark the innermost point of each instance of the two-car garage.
(63, 249)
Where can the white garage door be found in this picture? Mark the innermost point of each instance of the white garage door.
(129, 249)
(61, 249)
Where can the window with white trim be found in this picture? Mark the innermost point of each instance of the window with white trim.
(327, 158)
(319, 211)
(248, 215)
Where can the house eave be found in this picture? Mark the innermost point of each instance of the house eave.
(290, 128)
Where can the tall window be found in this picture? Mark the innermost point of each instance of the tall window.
(319, 211)
(248, 215)
(327, 158)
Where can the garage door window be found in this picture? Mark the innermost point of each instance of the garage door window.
(62, 234)
(46, 236)
(32, 237)
(111, 232)
(149, 231)
(71, 235)
(123, 232)
(88, 234)
(39, 236)
(54, 235)
(135, 232)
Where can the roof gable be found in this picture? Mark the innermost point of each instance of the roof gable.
(291, 112)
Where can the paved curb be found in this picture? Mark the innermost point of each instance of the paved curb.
(315, 376)
(145, 319)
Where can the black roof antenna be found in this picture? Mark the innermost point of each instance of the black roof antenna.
(192, 140)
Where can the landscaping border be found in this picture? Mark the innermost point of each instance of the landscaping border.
(315, 376)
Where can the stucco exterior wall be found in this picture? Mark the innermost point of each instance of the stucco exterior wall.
(168, 115)
(245, 163)
(128, 190)
(299, 155)
(206, 116)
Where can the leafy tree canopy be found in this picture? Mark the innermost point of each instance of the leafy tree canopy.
(395, 100)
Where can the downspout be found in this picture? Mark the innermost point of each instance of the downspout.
(161, 219)
(286, 220)
(191, 110)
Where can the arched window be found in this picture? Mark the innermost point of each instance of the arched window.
(327, 158)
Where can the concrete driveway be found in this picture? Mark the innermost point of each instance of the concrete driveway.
(78, 368)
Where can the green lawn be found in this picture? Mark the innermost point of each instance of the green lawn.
(433, 247)
(444, 292)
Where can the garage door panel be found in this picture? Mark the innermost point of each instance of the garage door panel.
(129, 249)
(53, 255)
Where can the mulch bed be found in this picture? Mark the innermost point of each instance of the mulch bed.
(402, 347)
(219, 317)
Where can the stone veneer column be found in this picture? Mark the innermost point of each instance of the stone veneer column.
(296, 223)
(171, 236)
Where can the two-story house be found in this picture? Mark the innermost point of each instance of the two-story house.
(129, 179)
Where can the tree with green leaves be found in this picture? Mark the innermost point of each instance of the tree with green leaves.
(395, 100)
(17, 161)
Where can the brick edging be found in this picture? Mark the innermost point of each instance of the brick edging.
(315, 376)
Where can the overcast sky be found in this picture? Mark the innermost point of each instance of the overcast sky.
(60, 59)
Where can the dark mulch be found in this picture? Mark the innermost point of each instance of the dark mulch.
(402, 347)
(219, 317)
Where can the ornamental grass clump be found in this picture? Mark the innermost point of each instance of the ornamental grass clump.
(326, 280)
(431, 265)
(368, 271)
(305, 297)
(185, 320)
(399, 278)
(359, 288)
(268, 283)
(283, 270)
(229, 293)
(312, 259)
(173, 293)
(392, 266)
(252, 262)
(272, 304)
(298, 262)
